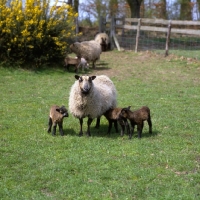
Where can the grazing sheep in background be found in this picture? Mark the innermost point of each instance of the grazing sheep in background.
(91, 96)
(90, 50)
(137, 117)
(56, 116)
(103, 40)
(112, 115)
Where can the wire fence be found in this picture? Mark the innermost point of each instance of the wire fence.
(152, 40)
(148, 41)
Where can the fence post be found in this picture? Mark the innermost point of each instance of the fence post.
(123, 23)
(168, 39)
(138, 35)
(112, 30)
(113, 36)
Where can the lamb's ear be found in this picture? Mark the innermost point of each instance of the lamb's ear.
(93, 77)
(129, 107)
(77, 77)
(58, 109)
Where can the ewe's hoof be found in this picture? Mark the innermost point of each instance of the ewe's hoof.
(88, 134)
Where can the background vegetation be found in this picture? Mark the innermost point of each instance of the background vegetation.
(166, 165)
(34, 31)
(91, 10)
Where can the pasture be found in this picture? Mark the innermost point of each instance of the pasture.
(164, 165)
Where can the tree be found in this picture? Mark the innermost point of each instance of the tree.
(95, 8)
(76, 5)
(113, 7)
(160, 9)
(186, 10)
(135, 7)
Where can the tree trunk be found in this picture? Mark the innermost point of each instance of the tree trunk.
(163, 9)
(186, 10)
(76, 5)
(113, 6)
(134, 7)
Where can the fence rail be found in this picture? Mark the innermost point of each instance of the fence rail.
(167, 27)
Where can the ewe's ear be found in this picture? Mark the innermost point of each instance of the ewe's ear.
(77, 77)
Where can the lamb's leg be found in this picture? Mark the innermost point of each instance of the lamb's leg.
(150, 125)
(88, 124)
(122, 124)
(67, 67)
(98, 122)
(139, 129)
(129, 130)
(81, 127)
(61, 129)
(110, 126)
(54, 129)
(116, 126)
(50, 125)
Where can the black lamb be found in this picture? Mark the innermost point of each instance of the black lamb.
(137, 117)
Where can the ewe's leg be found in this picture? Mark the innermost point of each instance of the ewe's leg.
(94, 64)
(81, 127)
(98, 122)
(50, 125)
(88, 124)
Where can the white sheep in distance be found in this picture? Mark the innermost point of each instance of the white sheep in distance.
(90, 50)
(91, 96)
(103, 40)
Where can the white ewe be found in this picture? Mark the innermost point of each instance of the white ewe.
(103, 40)
(90, 50)
(91, 96)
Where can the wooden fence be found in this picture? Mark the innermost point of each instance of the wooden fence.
(153, 25)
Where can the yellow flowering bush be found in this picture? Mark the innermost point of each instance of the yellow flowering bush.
(34, 30)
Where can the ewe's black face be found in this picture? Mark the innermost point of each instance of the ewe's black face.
(85, 83)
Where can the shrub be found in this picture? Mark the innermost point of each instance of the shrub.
(34, 30)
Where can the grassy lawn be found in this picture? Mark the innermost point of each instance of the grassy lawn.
(166, 165)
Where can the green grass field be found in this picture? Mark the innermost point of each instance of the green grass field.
(165, 165)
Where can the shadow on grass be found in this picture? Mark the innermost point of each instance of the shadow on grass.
(146, 134)
(67, 131)
(102, 132)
